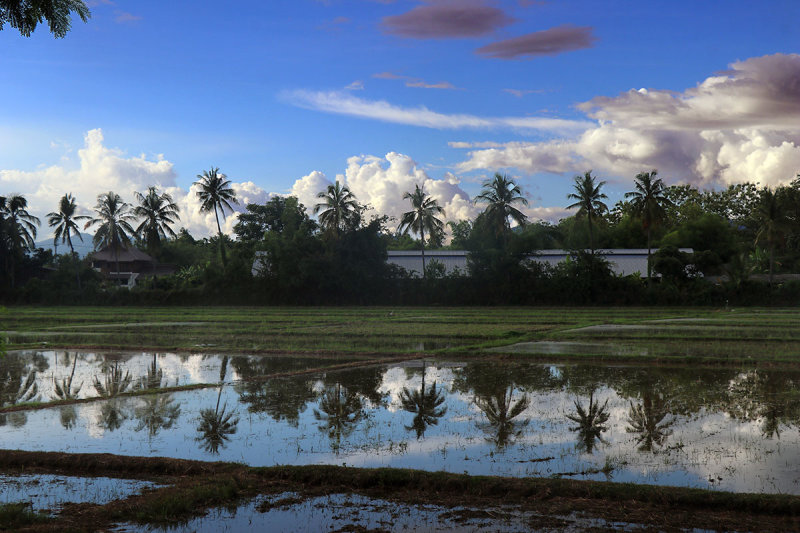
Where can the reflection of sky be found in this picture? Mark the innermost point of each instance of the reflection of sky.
(50, 492)
(183, 369)
(706, 449)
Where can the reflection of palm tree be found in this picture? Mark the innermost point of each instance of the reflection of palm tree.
(501, 412)
(114, 383)
(68, 416)
(646, 420)
(424, 403)
(158, 412)
(591, 422)
(111, 415)
(152, 380)
(216, 425)
(63, 388)
(15, 385)
(340, 410)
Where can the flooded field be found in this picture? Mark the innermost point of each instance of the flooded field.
(48, 493)
(52, 375)
(349, 512)
(694, 427)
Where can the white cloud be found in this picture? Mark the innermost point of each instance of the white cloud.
(100, 169)
(382, 182)
(347, 104)
(742, 125)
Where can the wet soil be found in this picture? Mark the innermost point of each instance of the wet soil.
(191, 489)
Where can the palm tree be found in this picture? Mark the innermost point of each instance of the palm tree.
(500, 194)
(215, 193)
(158, 211)
(114, 218)
(424, 404)
(63, 221)
(421, 217)
(771, 217)
(19, 228)
(650, 202)
(337, 209)
(588, 200)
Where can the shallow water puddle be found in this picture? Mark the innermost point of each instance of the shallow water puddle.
(710, 428)
(48, 375)
(49, 493)
(351, 512)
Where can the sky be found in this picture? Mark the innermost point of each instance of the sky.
(287, 96)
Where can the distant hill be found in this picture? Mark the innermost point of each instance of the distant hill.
(81, 248)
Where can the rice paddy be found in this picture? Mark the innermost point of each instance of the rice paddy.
(683, 400)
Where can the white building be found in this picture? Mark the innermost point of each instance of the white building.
(623, 262)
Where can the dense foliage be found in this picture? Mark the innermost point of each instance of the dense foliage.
(745, 240)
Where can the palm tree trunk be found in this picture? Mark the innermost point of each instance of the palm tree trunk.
(77, 263)
(422, 236)
(771, 262)
(591, 234)
(649, 262)
(219, 233)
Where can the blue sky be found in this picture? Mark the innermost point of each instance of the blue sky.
(286, 96)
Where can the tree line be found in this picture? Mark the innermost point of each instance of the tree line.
(339, 257)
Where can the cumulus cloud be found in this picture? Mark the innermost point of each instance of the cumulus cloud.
(740, 125)
(100, 169)
(547, 42)
(347, 104)
(443, 19)
(381, 182)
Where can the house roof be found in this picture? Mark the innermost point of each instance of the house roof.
(125, 255)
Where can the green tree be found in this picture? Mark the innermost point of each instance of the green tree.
(338, 209)
(588, 201)
(772, 223)
(64, 222)
(253, 224)
(18, 229)
(216, 194)
(25, 15)
(422, 217)
(114, 218)
(157, 212)
(650, 201)
(500, 194)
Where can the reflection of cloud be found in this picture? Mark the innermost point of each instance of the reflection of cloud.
(742, 125)
(447, 19)
(541, 43)
(346, 104)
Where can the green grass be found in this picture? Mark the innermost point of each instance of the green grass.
(17, 515)
(711, 335)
